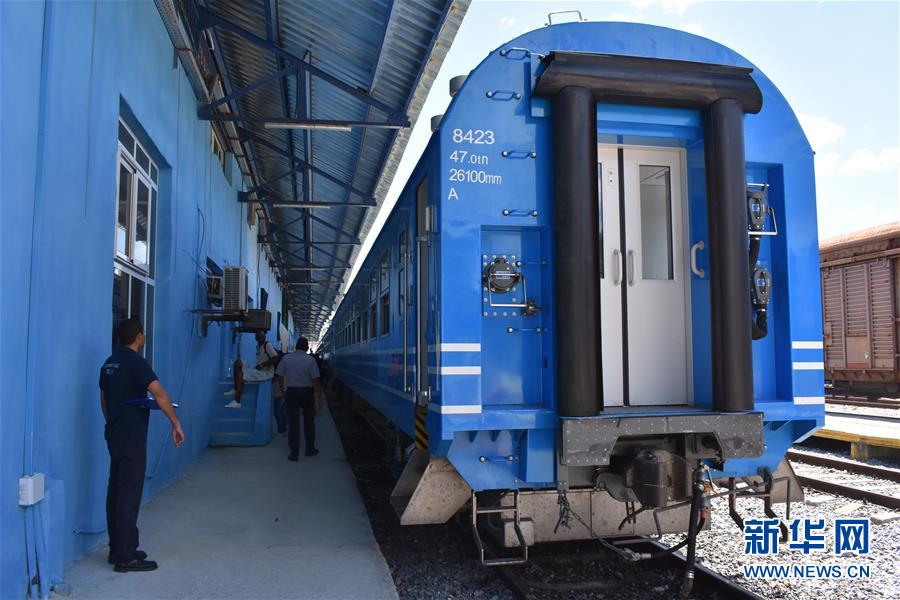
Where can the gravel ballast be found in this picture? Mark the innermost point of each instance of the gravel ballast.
(722, 547)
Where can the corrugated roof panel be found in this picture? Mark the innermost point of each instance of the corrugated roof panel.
(388, 50)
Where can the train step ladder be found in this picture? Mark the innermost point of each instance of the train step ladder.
(499, 510)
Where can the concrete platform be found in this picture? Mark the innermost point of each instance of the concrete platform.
(868, 435)
(247, 523)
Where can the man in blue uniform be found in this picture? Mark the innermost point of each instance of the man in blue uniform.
(125, 378)
(298, 377)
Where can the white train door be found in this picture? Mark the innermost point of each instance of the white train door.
(643, 284)
(611, 277)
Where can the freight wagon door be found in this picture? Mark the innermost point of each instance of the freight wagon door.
(642, 298)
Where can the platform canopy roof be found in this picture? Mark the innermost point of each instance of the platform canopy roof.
(316, 98)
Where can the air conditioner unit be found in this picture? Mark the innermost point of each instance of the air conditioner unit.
(234, 289)
(256, 320)
(214, 291)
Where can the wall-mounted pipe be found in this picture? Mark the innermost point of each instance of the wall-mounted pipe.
(35, 543)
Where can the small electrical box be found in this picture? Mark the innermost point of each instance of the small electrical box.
(31, 489)
(214, 289)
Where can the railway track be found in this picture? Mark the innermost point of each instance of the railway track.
(864, 402)
(707, 583)
(864, 416)
(822, 460)
(847, 491)
(840, 489)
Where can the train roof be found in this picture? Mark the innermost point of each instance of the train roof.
(861, 237)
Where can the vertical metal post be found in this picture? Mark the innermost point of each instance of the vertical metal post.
(579, 386)
(732, 358)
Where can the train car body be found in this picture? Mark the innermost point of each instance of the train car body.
(861, 318)
(564, 297)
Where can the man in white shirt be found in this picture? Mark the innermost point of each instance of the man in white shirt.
(298, 376)
(266, 358)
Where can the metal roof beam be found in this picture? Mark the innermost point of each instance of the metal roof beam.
(321, 243)
(206, 112)
(307, 306)
(312, 301)
(274, 243)
(249, 135)
(340, 264)
(327, 243)
(316, 268)
(209, 19)
(275, 228)
(268, 183)
(328, 225)
(266, 198)
(323, 124)
(291, 222)
(326, 253)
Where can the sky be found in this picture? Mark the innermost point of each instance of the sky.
(837, 63)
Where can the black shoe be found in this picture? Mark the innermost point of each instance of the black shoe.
(292, 457)
(136, 565)
(312, 452)
(138, 555)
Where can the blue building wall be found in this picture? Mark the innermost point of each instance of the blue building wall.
(69, 70)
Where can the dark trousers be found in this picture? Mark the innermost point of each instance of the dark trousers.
(127, 466)
(301, 399)
(280, 413)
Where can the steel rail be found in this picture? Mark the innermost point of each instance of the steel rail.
(822, 460)
(847, 491)
(864, 402)
(863, 416)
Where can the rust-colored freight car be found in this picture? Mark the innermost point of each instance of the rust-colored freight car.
(861, 300)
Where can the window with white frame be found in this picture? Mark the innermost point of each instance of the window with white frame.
(137, 181)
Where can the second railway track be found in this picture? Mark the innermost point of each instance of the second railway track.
(863, 401)
(850, 466)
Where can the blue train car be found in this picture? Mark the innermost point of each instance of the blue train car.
(598, 290)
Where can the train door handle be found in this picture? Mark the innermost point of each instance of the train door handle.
(629, 268)
(617, 267)
(694, 268)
